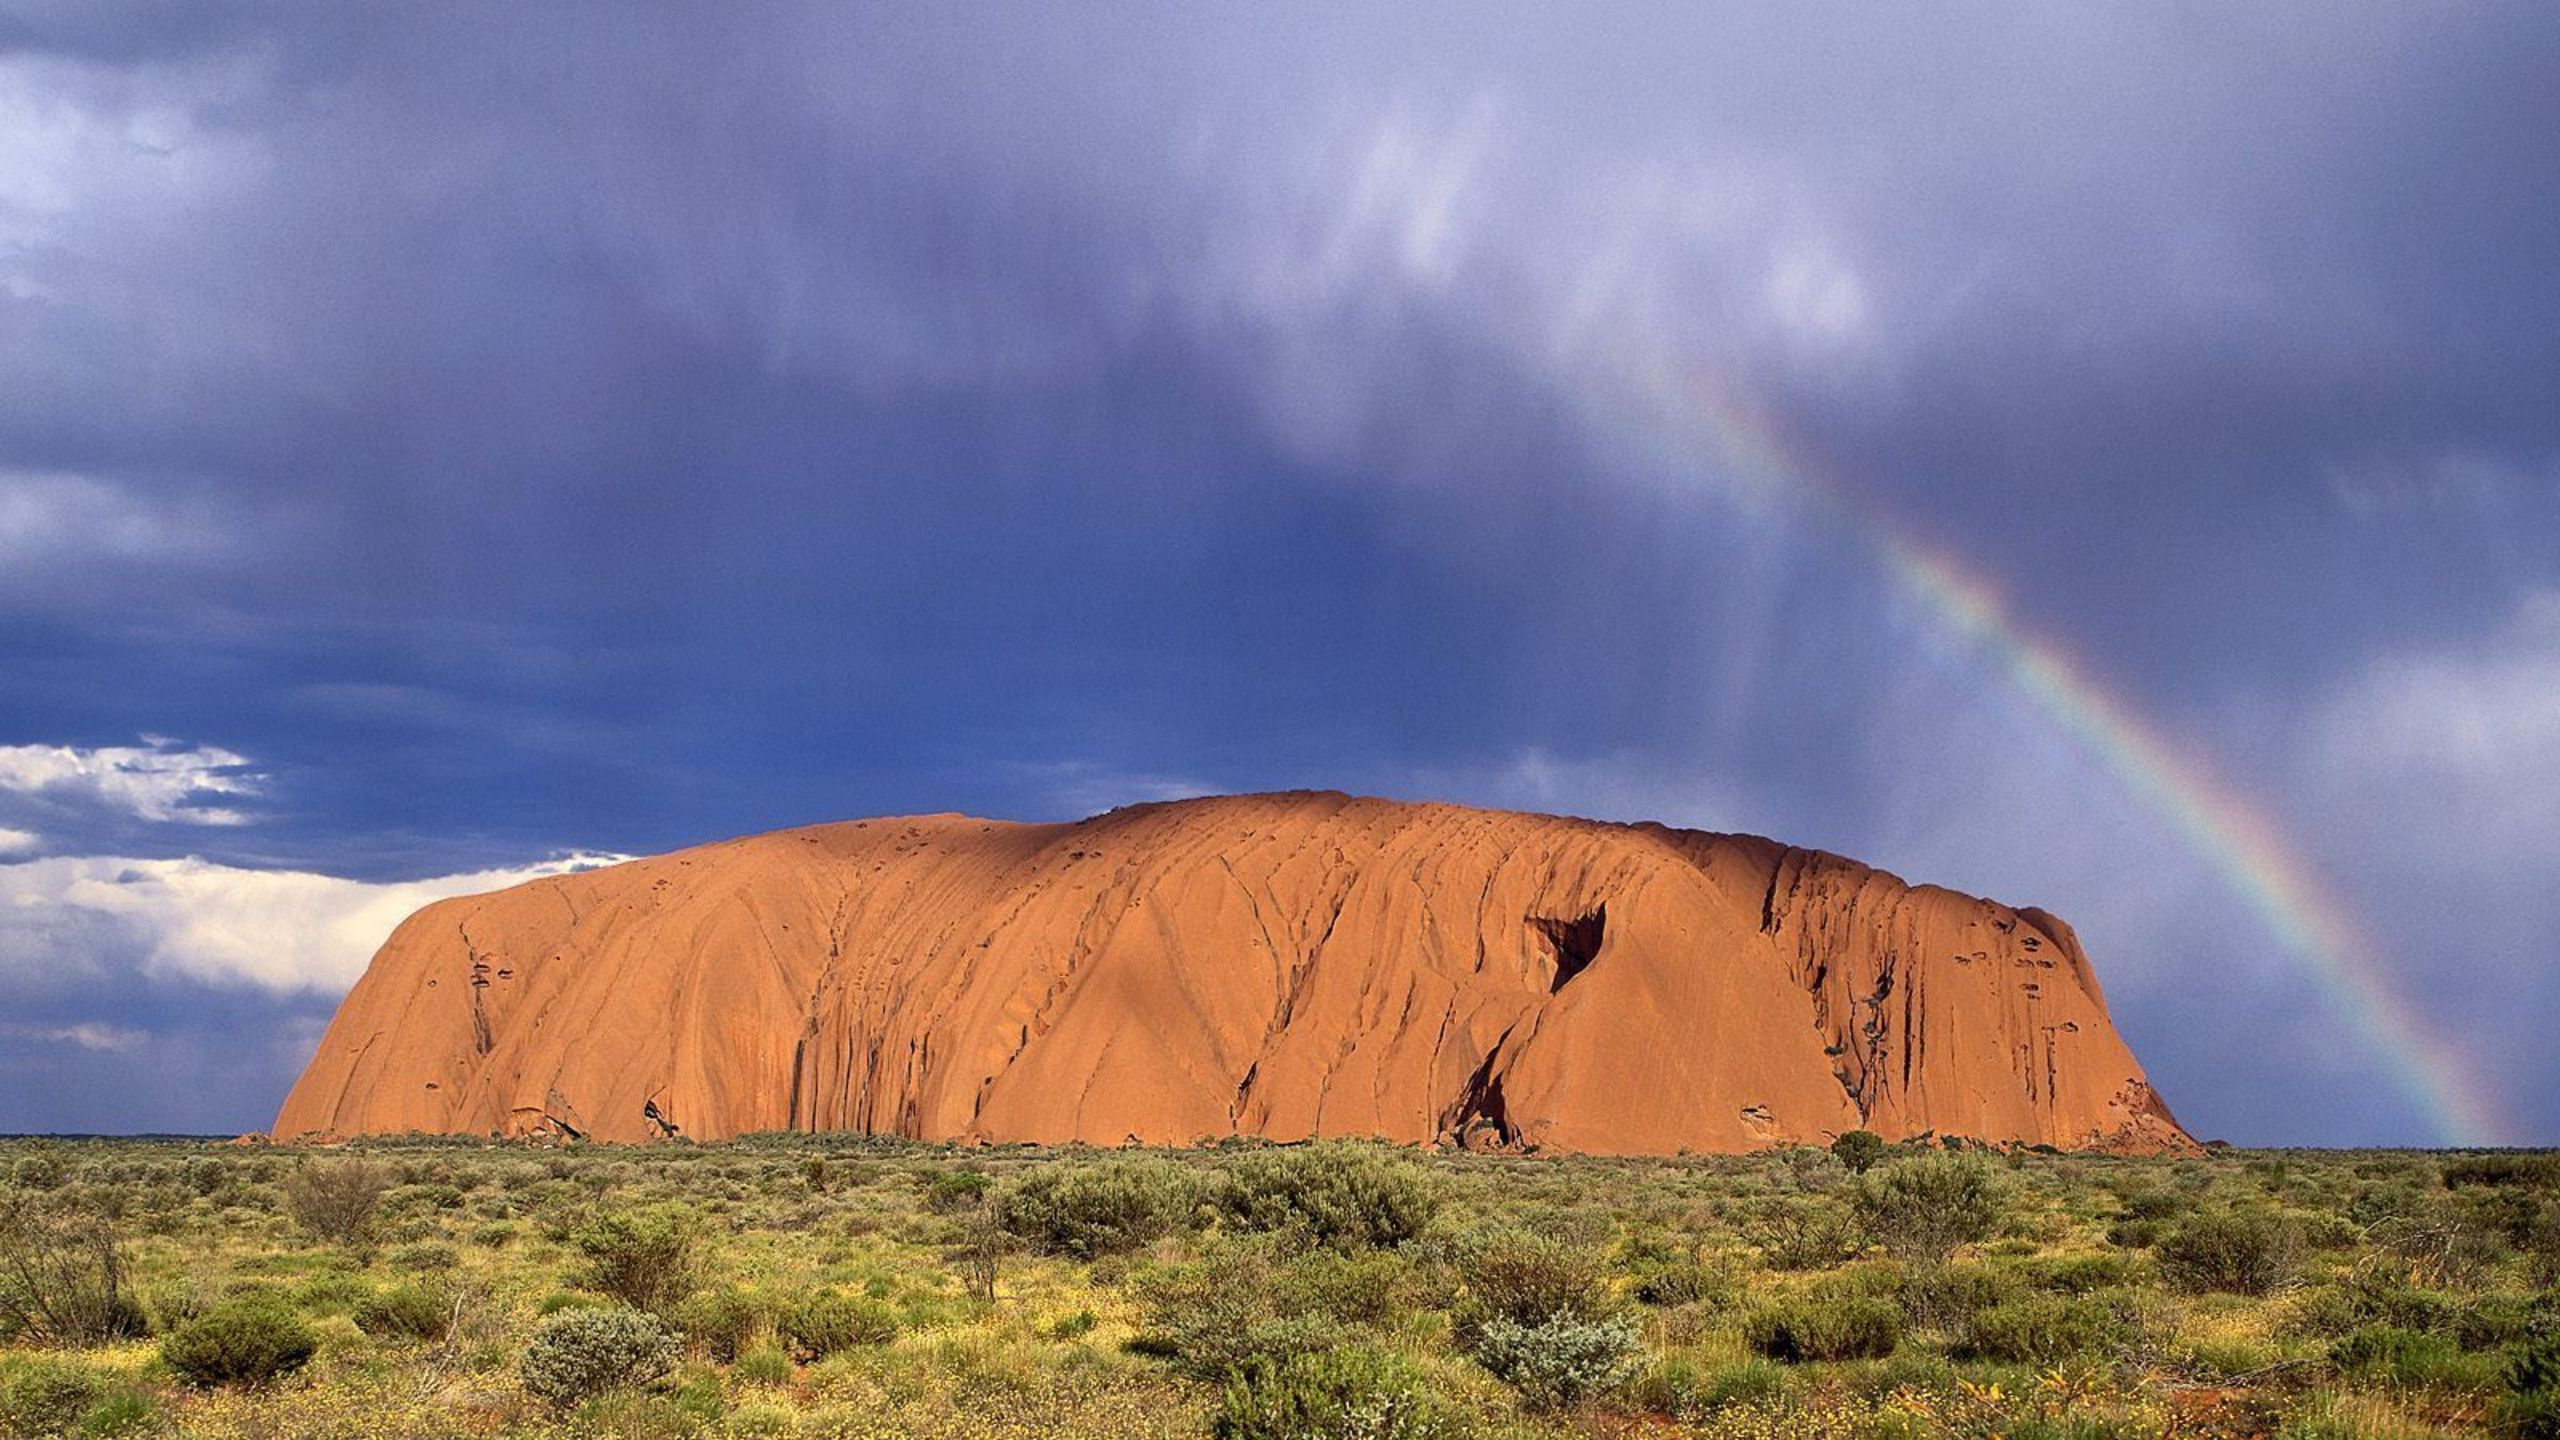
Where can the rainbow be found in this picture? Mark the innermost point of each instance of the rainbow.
(1704, 423)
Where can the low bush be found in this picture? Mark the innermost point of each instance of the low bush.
(406, 1312)
(2248, 1252)
(953, 1191)
(47, 1397)
(248, 1340)
(1685, 1281)
(426, 1257)
(1676, 1387)
(2412, 1359)
(2083, 1274)
(763, 1365)
(1562, 1361)
(644, 1261)
(2371, 1296)
(2533, 1170)
(580, 1355)
(720, 1322)
(1947, 1297)
(2042, 1330)
(830, 1323)
(1526, 1277)
(2531, 1410)
(1238, 1303)
(1825, 1326)
(1335, 1193)
(122, 1411)
(1108, 1207)
(1349, 1392)
(1924, 1208)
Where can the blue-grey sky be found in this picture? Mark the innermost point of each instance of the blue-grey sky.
(441, 441)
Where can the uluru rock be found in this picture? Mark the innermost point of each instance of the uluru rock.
(1270, 965)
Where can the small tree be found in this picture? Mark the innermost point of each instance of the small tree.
(61, 1279)
(335, 1200)
(1859, 1150)
(979, 1250)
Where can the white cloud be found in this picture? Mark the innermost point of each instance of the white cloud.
(1074, 789)
(1620, 785)
(88, 1035)
(47, 519)
(2461, 477)
(159, 780)
(2460, 748)
(193, 919)
(18, 842)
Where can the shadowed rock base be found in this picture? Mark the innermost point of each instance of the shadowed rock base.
(1274, 965)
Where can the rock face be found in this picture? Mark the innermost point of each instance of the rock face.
(1273, 965)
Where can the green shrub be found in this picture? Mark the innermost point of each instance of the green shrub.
(2249, 1252)
(1349, 1392)
(2412, 1359)
(830, 1323)
(47, 1396)
(430, 1256)
(1236, 1304)
(1676, 1387)
(2531, 1415)
(2371, 1296)
(2083, 1274)
(120, 1412)
(1947, 1297)
(2535, 1363)
(1109, 1207)
(1335, 1193)
(579, 1355)
(1860, 1150)
(763, 1365)
(1685, 1281)
(644, 1261)
(2492, 1322)
(2541, 1244)
(406, 1312)
(2042, 1330)
(1805, 1236)
(2540, 1170)
(1562, 1361)
(1526, 1277)
(1922, 1209)
(1825, 1327)
(1369, 1287)
(244, 1341)
(953, 1191)
(720, 1321)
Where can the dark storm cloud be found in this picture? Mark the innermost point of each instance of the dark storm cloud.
(515, 430)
